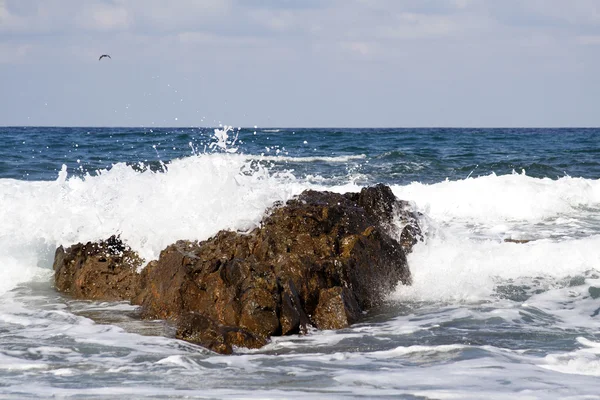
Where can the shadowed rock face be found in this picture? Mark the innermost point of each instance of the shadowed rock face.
(321, 259)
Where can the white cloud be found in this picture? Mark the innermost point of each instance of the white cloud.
(576, 12)
(531, 14)
(104, 17)
(51, 16)
(276, 20)
(411, 26)
(462, 3)
(13, 53)
(180, 15)
(36, 18)
(212, 40)
(589, 40)
(361, 48)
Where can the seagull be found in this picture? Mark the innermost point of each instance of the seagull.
(104, 55)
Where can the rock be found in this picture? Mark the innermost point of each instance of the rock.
(336, 308)
(106, 270)
(319, 260)
(518, 241)
(199, 329)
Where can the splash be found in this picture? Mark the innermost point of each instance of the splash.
(222, 140)
(193, 198)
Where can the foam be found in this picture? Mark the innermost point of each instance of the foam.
(194, 198)
(179, 361)
(585, 361)
(199, 195)
(410, 350)
(191, 198)
(493, 199)
(156, 366)
(18, 268)
(18, 364)
(462, 269)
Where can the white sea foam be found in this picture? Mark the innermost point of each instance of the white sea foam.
(199, 195)
(497, 205)
(459, 269)
(19, 264)
(585, 361)
(193, 199)
(18, 364)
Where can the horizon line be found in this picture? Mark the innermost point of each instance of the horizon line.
(298, 127)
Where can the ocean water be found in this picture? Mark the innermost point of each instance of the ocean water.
(484, 318)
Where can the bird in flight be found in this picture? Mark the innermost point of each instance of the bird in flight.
(104, 55)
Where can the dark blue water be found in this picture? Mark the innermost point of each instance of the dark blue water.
(390, 155)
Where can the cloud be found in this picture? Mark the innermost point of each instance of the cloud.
(411, 26)
(30, 17)
(181, 15)
(589, 40)
(20, 8)
(104, 17)
(309, 21)
(576, 14)
(13, 53)
(276, 20)
(361, 48)
(67, 16)
(430, 7)
(573, 12)
(474, 51)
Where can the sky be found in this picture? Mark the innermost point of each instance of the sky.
(300, 63)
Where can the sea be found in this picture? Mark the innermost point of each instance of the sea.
(505, 298)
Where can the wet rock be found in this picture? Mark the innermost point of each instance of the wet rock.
(200, 329)
(319, 260)
(337, 308)
(105, 270)
(518, 241)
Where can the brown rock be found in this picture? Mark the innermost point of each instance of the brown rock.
(199, 329)
(106, 270)
(321, 259)
(336, 309)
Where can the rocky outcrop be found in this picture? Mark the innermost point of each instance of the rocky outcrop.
(105, 270)
(319, 260)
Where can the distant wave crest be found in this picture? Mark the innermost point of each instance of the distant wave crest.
(336, 159)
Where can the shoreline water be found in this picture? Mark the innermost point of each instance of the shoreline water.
(484, 317)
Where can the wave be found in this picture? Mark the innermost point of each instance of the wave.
(195, 197)
(584, 361)
(332, 159)
(494, 199)
(457, 269)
